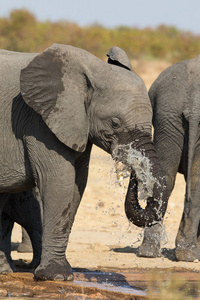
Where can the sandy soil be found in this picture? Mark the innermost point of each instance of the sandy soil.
(101, 235)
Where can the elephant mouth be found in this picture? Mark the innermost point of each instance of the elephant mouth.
(103, 141)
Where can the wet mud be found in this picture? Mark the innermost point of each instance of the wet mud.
(99, 284)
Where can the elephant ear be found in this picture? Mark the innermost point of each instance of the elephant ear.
(53, 85)
(118, 57)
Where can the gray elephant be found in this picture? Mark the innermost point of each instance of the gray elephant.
(25, 209)
(65, 100)
(175, 98)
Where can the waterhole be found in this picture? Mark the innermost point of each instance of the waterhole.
(103, 284)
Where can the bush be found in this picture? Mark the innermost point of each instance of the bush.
(22, 32)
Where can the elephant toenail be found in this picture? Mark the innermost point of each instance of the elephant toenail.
(59, 277)
(70, 277)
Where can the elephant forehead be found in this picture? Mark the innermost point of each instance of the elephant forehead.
(141, 116)
(139, 105)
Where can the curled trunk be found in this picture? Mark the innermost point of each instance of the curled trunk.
(156, 200)
(154, 210)
(147, 181)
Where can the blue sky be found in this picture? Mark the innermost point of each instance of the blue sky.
(184, 14)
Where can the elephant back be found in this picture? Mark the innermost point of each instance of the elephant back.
(11, 64)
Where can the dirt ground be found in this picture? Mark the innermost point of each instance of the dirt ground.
(101, 235)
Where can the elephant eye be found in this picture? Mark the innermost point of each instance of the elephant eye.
(116, 123)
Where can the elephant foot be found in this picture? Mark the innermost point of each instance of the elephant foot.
(60, 271)
(5, 267)
(150, 246)
(25, 248)
(149, 250)
(189, 254)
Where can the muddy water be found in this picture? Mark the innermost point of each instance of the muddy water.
(88, 284)
(101, 284)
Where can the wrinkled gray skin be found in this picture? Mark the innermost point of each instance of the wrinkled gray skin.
(175, 98)
(69, 100)
(25, 209)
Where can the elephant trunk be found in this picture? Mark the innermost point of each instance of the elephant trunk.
(147, 181)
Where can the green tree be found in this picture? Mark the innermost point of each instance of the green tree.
(21, 31)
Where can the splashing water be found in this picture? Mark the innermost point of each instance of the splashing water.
(133, 160)
(121, 173)
(127, 160)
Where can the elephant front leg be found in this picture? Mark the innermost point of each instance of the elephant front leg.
(169, 160)
(58, 212)
(187, 238)
(150, 246)
(186, 241)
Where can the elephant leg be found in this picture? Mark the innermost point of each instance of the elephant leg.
(7, 226)
(34, 226)
(169, 158)
(150, 246)
(5, 264)
(187, 237)
(57, 190)
(25, 209)
(54, 265)
(25, 246)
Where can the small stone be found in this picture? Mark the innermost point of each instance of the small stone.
(38, 288)
(3, 293)
(196, 260)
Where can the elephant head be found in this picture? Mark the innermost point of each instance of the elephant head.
(81, 99)
(147, 180)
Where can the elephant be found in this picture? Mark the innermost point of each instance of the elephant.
(54, 106)
(175, 99)
(25, 208)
